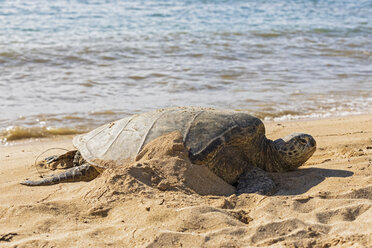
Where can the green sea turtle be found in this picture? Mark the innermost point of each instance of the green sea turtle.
(232, 144)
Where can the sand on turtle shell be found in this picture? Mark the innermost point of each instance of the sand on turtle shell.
(163, 200)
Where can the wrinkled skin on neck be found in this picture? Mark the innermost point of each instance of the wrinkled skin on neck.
(287, 153)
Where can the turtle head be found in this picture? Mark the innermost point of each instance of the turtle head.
(295, 149)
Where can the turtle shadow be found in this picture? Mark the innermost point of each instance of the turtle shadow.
(302, 180)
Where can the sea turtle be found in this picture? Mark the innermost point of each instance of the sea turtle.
(232, 144)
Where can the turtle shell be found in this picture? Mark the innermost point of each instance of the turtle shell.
(204, 131)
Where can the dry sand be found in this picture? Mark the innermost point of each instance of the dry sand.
(162, 200)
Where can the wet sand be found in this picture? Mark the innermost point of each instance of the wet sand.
(162, 200)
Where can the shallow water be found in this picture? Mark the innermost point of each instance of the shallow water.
(69, 66)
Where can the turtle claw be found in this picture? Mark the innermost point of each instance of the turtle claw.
(51, 159)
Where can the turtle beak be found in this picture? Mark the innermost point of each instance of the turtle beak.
(312, 147)
(312, 143)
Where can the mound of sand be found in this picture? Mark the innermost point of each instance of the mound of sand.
(163, 200)
(162, 165)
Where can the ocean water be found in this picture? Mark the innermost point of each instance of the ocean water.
(69, 66)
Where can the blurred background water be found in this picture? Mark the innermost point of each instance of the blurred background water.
(69, 66)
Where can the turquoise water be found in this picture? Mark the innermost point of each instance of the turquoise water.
(69, 66)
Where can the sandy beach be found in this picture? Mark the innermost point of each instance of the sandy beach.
(162, 200)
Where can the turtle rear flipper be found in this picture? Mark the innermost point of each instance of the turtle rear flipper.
(64, 161)
(51, 159)
(84, 172)
(256, 180)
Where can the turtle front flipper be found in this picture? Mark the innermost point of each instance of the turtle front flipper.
(255, 180)
(84, 172)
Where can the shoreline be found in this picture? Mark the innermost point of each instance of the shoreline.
(21, 141)
(326, 202)
(364, 115)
